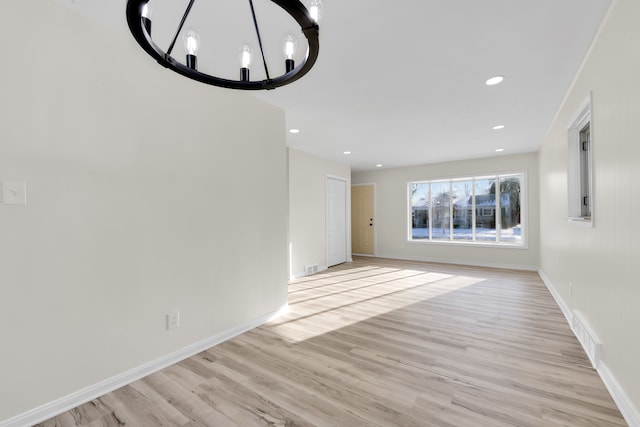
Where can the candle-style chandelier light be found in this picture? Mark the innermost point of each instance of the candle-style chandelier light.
(140, 20)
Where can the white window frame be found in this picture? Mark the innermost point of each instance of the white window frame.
(522, 244)
(576, 173)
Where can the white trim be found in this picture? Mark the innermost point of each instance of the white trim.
(348, 220)
(470, 243)
(337, 177)
(556, 296)
(94, 391)
(581, 118)
(375, 219)
(524, 212)
(624, 403)
(459, 262)
(580, 222)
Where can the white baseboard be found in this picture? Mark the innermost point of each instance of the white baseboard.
(626, 406)
(556, 296)
(628, 410)
(583, 333)
(461, 262)
(85, 395)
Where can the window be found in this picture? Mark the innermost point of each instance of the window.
(580, 175)
(485, 209)
(585, 171)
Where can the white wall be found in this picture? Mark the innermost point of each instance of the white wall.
(147, 192)
(601, 262)
(307, 209)
(391, 212)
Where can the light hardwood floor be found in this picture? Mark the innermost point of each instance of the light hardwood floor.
(382, 343)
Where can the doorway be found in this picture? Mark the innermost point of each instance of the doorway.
(362, 219)
(336, 221)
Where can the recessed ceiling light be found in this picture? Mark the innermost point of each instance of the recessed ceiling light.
(378, 165)
(499, 150)
(347, 152)
(498, 127)
(494, 80)
(294, 131)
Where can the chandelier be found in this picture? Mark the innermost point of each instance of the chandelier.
(140, 23)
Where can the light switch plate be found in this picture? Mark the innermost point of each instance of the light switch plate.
(14, 192)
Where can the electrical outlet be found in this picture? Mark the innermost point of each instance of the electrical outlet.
(173, 320)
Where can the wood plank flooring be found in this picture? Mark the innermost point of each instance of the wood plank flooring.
(382, 343)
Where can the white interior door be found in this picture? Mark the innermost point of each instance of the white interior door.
(336, 221)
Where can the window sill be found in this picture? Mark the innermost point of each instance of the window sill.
(471, 243)
(580, 222)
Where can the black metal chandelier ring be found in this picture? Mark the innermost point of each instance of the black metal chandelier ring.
(140, 27)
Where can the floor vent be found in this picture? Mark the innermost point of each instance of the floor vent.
(587, 338)
(311, 269)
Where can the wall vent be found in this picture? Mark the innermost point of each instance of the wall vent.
(311, 269)
(587, 338)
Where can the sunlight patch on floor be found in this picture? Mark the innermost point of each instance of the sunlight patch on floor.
(330, 301)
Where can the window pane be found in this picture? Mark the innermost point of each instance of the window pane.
(486, 209)
(440, 197)
(462, 205)
(510, 209)
(420, 211)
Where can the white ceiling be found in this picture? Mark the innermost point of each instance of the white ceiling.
(402, 82)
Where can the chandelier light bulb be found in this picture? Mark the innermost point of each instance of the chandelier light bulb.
(246, 56)
(315, 10)
(290, 46)
(191, 42)
(289, 49)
